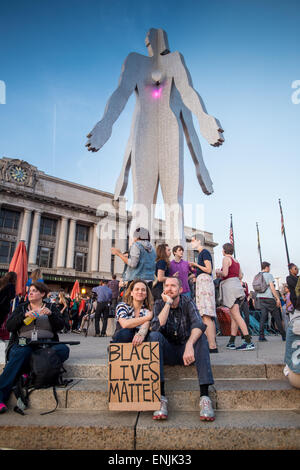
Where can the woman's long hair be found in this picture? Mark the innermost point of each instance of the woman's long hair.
(62, 298)
(36, 274)
(8, 278)
(148, 302)
(161, 253)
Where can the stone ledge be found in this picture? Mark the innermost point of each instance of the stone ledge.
(232, 430)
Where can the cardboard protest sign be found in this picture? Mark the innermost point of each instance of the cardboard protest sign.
(133, 377)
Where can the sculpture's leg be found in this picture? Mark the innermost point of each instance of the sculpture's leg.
(171, 176)
(145, 184)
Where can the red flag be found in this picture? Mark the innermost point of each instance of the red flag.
(19, 265)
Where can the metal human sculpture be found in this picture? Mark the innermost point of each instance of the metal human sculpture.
(165, 101)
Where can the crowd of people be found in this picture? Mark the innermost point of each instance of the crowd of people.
(172, 302)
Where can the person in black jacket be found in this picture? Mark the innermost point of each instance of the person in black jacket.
(7, 294)
(291, 281)
(32, 320)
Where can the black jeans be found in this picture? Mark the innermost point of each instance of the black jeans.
(102, 310)
(266, 306)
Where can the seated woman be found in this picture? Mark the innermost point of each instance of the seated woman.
(31, 320)
(134, 314)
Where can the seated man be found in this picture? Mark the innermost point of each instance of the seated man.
(178, 328)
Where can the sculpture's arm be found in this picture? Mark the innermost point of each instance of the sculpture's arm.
(115, 105)
(210, 128)
(122, 181)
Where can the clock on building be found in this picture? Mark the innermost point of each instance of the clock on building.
(18, 174)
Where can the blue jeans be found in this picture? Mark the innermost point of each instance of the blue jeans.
(18, 361)
(124, 335)
(172, 354)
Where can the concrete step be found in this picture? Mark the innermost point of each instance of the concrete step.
(92, 430)
(232, 430)
(183, 395)
(220, 371)
(68, 429)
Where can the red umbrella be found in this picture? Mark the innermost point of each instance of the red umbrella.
(19, 265)
(75, 290)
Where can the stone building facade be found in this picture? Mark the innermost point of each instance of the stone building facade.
(68, 228)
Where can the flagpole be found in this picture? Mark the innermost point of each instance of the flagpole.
(258, 245)
(231, 226)
(283, 233)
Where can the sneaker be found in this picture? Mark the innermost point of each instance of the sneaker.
(230, 346)
(262, 338)
(163, 412)
(206, 410)
(3, 408)
(245, 347)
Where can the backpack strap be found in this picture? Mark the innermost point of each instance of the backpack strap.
(56, 399)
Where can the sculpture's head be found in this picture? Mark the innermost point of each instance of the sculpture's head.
(157, 42)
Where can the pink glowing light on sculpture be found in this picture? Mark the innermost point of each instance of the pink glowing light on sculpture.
(157, 93)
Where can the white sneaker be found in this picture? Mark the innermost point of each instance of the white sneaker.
(206, 409)
(163, 412)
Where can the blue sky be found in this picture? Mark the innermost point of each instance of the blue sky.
(61, 60)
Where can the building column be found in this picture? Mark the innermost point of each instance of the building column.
(95, 251)
(71, 244)
(26, 227)
(61, 253)
(34, 237)
(105, 253)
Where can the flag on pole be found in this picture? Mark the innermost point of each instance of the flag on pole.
(283, 233)
(231, 236)
(282, 220)
(231, 231)
(258, 244)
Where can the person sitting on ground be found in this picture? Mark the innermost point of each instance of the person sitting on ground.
(88, 316)
(133, 316)
(45, 325)
(178, 328)
(232, 295)
(292, 349)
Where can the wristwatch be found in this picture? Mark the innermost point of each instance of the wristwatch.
(169, 303)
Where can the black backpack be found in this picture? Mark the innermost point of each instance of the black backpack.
(46, 371)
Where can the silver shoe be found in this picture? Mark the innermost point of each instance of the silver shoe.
(206, 409)
(163, 412)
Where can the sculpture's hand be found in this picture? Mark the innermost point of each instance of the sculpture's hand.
(212, 131)
(98, 136)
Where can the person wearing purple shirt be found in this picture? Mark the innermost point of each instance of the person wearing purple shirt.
(181, 269)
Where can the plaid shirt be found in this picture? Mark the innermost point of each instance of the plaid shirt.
(181, 320)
